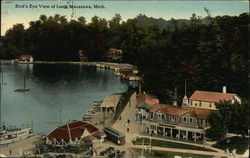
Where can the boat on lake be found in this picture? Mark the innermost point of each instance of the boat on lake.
(24, 89)
(11, 135)
(8, 136)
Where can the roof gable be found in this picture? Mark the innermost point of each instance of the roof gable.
(187, 114)
(211, 96)
(175, 110)
(72, 130)
(147, 99)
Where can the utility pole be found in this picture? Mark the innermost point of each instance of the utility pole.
(60, 117)
(104, 119)
(0, 102)
(150, 146)
(142, 148)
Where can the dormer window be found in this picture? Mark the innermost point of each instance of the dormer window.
(200, 103)
(184, 119)
(172, 117)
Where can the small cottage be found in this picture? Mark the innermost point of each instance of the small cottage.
(25, 59)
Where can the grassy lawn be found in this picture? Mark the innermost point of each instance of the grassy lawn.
(169, 144)
(238, 143)
(168, 154)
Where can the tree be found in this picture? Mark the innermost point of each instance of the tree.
(230, 117)
(115, 21)
(14, 42)
(82, 20)
(236, 116)
(218, 127)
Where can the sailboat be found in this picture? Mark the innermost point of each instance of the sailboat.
(24, 87)
(11, 135)
(2, 82)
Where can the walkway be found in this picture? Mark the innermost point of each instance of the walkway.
(24, 147)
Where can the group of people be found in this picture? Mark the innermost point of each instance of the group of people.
(126, 124)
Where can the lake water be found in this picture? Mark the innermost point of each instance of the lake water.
(71, 88)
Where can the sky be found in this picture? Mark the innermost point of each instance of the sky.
(24, 11)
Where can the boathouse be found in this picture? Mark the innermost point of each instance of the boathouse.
(114, 54)
(75, 133)
(25, 59)
(110, 103)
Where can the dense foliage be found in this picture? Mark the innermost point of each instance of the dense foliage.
(230, 117)
(208, 52)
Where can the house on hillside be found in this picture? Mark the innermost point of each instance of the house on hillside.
(184, 123)
(208, 100)
(25, 59)
(75, 133)
(114, 55)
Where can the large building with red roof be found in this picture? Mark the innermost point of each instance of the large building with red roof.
(208, 100)
(75, 133)
(187, 122)
(184, 122)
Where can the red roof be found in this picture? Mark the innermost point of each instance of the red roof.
(25, 57)
(126, 73)
(147, 98)
(211, 96)
(201, 113)
(175, 110)
(72, 130)
(113, 50)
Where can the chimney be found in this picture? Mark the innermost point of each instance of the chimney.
(224, 89)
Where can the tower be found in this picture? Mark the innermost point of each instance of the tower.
(185, 98)
(175, 97)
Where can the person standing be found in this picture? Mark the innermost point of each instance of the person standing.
(127, 129)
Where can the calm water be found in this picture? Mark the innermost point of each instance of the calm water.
(70, 88)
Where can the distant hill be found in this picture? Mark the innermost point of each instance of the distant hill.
(143, 20)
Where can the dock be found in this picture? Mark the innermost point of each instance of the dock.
(124, 70)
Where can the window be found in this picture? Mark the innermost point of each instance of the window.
(200, 103)
(210, 105)
(184, 119)
(203, 122)
(191, 120)
(191, 102)
(172, 117)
